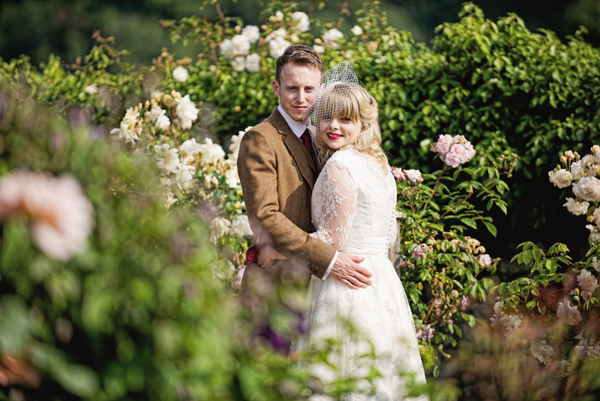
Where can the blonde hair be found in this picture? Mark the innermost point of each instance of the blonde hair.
(347, 100)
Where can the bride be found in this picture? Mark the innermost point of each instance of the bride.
(353, 209)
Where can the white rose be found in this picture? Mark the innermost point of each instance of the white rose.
(594, 232)
(241, 44)
(241, 227)
(588, 188)
(154, 113)
(562, 178)
(190, 147)
(596, 264)
(252, 33)
(227, 48)
(211, 153)
(162, 122)
(277, 46)
(279, 33)
(577, 170)
(253, 62)
(167, 159)
(302, 23)
(170, 199)
(279, 16)
(331, 37)
(319, 49)
(542, 351)
(219, 227)
(180, 74)
(597, 216)
(91, 89)
(413, 175)
(61, 216)
(570, 314)
(233, 179)
(184, 176)
(234, 147)
(238, 63)
(357, 30)
(186, 111)
(576, 208)
(130, 128)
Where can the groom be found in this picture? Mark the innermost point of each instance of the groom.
(277, 171)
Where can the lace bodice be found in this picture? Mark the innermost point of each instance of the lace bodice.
(354, 203)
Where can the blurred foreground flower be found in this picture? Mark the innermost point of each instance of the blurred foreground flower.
(61, 216)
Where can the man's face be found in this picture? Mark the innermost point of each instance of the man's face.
(296, 89)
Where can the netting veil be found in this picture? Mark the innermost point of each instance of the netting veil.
(338, 84)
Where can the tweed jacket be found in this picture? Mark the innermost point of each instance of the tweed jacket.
(277, 175)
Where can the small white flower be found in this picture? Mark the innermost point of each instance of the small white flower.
(576, 208)
(484, 260)
(180, 74)
(319, 49)
(252, 33)
(279, 16)
(596, 215)
(232, 177)
(238, 63)
(170, 199)
(237, 280)
(154, 113)
(241, 44)
(577, 170)
(186, 111)
(91, 89)
(331, 37)
(501, 320)
(562, 178)
(301, 21)
(277, 46)
(357, 30)
(594, 232)
(219, 227)
(227, 48)
(163, 122)
(241, 227)
(588, 348)
(253, 62)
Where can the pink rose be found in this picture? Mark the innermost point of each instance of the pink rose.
(398, 174)
(443, 144)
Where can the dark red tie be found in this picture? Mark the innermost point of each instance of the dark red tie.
(307, 142)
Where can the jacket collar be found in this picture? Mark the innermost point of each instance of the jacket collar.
(295, 147)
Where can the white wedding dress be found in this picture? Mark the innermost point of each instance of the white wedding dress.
(353, 209)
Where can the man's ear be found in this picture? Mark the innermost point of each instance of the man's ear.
(275, 85)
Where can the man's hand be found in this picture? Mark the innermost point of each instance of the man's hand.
(267, 256)
(347, 271)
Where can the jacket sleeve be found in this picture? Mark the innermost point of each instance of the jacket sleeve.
(257, 164)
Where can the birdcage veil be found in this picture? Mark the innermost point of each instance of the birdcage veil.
(335, 96)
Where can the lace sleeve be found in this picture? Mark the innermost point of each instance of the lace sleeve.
(338, 205)
(393, 231)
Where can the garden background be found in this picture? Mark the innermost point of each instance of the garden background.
(119, 275)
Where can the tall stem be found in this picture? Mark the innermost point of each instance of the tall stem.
(435, 186)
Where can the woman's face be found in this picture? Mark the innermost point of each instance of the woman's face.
(339, 132)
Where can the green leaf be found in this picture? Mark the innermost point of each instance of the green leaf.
(79, 380)
(491, 228)
(469, 222)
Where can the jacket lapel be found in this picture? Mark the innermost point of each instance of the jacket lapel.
(294, 145)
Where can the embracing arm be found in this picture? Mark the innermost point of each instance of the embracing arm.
(257, 164)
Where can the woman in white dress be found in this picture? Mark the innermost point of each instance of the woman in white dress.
(354, 209)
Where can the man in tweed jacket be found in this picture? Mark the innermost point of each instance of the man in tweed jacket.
(277, 172)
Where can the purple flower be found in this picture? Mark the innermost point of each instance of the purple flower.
(425, 333)
(465, 302)
(419, 251)
(484, 260)
(443, 144)
(277, 341)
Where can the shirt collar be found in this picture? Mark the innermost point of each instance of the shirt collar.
(296, 127)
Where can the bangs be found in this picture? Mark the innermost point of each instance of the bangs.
(339, 102)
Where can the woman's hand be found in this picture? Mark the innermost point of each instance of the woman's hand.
(267, 256)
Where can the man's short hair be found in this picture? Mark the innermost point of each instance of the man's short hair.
(299, 54)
